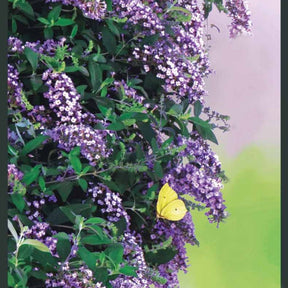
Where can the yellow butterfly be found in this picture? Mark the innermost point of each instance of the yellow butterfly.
(169, 206)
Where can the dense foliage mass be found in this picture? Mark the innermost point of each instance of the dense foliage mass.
(106, 104)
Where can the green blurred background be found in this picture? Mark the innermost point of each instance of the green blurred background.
(244, 252)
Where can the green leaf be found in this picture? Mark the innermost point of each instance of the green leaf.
(36, 83)
(115, 253)
(158, 170)
(26, 8)
(54, 13)
(11, 281)
(147, 131)
(43, 20)
(200, 122)
(42, 183)
(72, 210)
(31, 175)
(117, 126)
(108, 40)
(128, 270)
(14, 25)
(64, 189)
(71, 69)
(33, 144)
(48, 33)
(76, 163)
(95, 220)
(161, 256)
(36, 244)
(64, 22)
(12, 151)
(21, 19)
(197, 108)
(12, 230)
(63, 244)
(88, 257)
(74, 31)
(112, 27)
(109, 5)
(95, 74)
(32, 57)
(83, 184)
(181, 14)
(96, 240)
(39, 274)
(18, 201)
(207, 134)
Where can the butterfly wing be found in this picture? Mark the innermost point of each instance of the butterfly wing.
(166, 195)
(174, 211)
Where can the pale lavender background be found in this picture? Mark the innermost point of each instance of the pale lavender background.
(246, 82)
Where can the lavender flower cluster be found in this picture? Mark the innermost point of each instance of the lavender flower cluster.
(179, 57)
(91, 9)
(15, 99)
(182, 232)
(240, 15)
(133, 253)
(110, 203)
(68, 277)
(43, 233)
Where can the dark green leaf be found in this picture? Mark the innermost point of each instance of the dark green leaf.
(128, 270)
(18, 201)
(64, 189)
(207, 133)
(32, 57)
(200, 122)
(26, 8)
(48, 33)
(113, 27)
(21, 19)
(109, 5)
(96, 240)
(32, 175)
(14, 25)
(161, 256)
(117, 126)
(197, 108)
(64, 22)
(147, 131)
(83, 184)
(115, 253)
(158, 169)
(88, 257)
(72, 210)
(63, 244)
(108, 40)
(39, 274)
(36, 83)
(95, 75)
(33, 144)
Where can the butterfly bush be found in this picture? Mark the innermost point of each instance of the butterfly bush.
(106, 104)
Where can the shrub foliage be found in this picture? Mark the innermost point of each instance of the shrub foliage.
(106, 105)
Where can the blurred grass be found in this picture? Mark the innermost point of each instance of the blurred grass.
(244, 251)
